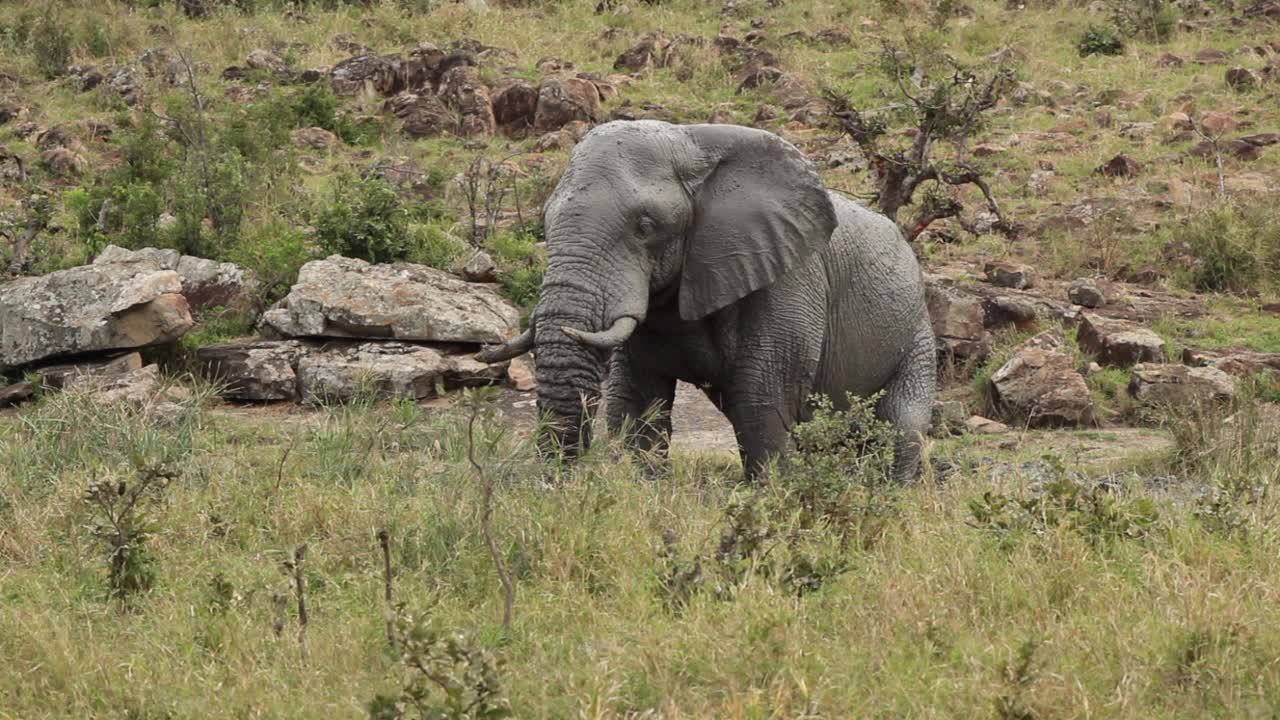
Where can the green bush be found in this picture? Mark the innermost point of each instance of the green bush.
(1153, 20)
(364, 219)
(432, 245)
(51, 43)
(317, 106)
(1236, 248)
(1100, 40)
(275, 252)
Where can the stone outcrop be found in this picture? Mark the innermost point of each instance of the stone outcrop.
(958, 322)
(367, 74)
(205, 283)
(421, 114)
(1237, 363)
(1039, 385)
(515, 106)
(1164, 385)
(1118, 343)
(562, 100)
(1010, 275)
(340, 371)
(464, 93)
(344, 297)
(92, 308)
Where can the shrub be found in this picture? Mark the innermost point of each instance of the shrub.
(1236, 248)
(1100, 40)
(1153, 20)
(121, 526)
(275, 252)
(432, 245)
(51, 43)
(365, 219)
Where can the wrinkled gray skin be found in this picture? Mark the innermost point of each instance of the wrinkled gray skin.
(713, 254)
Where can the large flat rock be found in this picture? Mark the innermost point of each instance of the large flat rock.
(91, 308)
(346, 298)
(205, 283)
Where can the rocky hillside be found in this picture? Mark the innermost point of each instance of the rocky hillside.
(1123, 219)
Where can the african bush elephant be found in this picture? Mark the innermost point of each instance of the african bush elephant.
(713, 254)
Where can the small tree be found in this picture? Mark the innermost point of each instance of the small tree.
(945, 101)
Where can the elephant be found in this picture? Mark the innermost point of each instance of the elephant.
(713, 254)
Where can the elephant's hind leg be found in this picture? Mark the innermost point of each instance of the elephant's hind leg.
(908, 404)
(639, 405)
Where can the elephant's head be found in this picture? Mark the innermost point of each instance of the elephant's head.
(702, 215)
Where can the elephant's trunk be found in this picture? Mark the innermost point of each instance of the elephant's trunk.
(582, 313)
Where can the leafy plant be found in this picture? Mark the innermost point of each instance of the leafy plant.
(1235, 246)
(1100, 40)
(365, 219)
(51, 42)
(1089, 509)
(122, 527)
(445, 676)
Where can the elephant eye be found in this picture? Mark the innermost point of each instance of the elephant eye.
(646, 225)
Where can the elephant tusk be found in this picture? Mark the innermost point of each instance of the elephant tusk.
(606, 339)
(516, 347)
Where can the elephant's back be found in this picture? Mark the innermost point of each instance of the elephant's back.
(877, 299)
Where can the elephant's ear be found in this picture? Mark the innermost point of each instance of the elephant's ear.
(758, 209)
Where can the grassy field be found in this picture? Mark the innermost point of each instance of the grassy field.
(1153, 600)
(1118, 573)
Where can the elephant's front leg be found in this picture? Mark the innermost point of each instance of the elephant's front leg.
(639, 405)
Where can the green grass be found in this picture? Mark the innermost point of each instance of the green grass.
(922, 623)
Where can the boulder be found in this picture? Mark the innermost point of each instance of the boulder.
(142, 389)
(421, 115)
(948, 418)
(1087, 292)
(60, 376)
(92, 308)
(562, 100)
(520, 373)
(646, 52)
(17, 393)
(958, 322)
(258, 370)
(367, 74)
(985, 426)
(515, 106)
(344, 297)
(1237, 363)
(1010, 275)
(1120, 166)
(1163, 385)
(1242, 79)
(463, 91)
(1039, 385)
(206, 283)
(315, 138)
(266, 60)
(393, 369)
(1118, 343)
(62, 161)
(480, 268)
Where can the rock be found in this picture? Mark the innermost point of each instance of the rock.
(315, 138)
(985, 426)
(60, 376)
(266, 60)
(1137, 130)
(958, 322)
(91, 308)
(463, 92)
(1118, 343)
(344, 297)
(515, 106)
(644, 53)
(62, 162)
(1237, 363)
(1180, 122)
(520, 373)
(1169, 60)
(1242, 79)
(1086, 292)
(1120, 166)
(1211, 56)
(392, 369)
(206, 283)
(17, 393)
(1217, 124)
(89, 78)
(1039, 385)
(1179, 385)
(1010, 275)
(259, 370)
(988, 149)
(367, 74)
(562, 100)
(480, 268)
(1001, 311)
(422, 115)
(142, 389)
